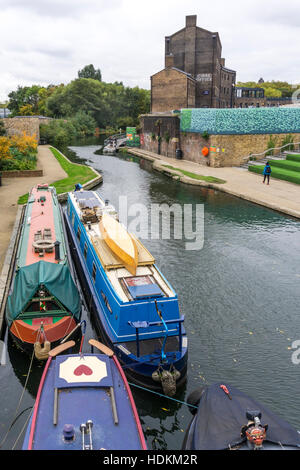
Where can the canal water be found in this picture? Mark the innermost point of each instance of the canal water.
(240, 295)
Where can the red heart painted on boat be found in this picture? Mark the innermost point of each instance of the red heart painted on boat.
(83, 370)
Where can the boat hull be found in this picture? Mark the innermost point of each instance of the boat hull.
(223, 415)
(25, 336)
(78, 389)
(139, 372)
(44, 304)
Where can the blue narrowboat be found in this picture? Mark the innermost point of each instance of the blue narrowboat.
(135, 308)
(225, 418)
(84, 402)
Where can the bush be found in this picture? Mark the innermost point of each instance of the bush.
(59, 132)
(2, 128)
(18, 152)
(84, 124)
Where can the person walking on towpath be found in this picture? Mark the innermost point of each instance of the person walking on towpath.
(267, 173)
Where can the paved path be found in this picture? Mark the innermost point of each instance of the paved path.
(279, 195)
(13, 188)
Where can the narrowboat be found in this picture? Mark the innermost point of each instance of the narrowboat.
(225, 418)
(84, 402)
(134, 307)
(44, 303)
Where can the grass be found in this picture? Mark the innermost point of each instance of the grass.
(293, 157)
(209, 179)
(278, 172)
(76, 174)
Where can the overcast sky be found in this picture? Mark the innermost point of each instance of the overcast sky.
(48, 41)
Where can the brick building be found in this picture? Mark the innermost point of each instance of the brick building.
(245, 97)
(204, 81)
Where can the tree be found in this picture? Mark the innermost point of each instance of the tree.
(2, 128)
(89, 71)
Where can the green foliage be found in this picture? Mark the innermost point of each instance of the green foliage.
(271, 145)
(59, 132)
(20, 161)
(76, 174)
(273, 89)
(84, 124)
(288, 139)
(28, 101)
(2, 128)
(89, 71)
(205, 135)
(167, 137)
(108, 104)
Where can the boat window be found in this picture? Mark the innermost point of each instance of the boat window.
(106, 302)
(69, 208)
(73, 218)
(94, 271)
(78, 233)
(85, 250)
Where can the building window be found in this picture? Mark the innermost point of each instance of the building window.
(94, 272)
(85, 250)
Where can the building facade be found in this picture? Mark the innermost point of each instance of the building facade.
(249, 97)
(198, 53)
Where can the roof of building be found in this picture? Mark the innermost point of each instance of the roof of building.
(188, 75)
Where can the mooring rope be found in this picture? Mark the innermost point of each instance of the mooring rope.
(163, 396)
(19, 404)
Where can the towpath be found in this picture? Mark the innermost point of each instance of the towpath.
(13, 188)
(279, 195)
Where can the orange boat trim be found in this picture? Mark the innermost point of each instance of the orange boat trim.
(31, 334)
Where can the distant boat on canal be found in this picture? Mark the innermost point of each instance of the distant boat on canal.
(44, 304)
(134, 307)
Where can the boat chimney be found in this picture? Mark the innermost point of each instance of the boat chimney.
(106, 202)
(57, 250)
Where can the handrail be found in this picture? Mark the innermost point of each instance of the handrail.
(269, 150)
(145, 324)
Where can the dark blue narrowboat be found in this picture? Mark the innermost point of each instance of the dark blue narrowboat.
(134, 307)
(84, 402)
(225, 418)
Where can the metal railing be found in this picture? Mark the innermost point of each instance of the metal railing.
(271, 150)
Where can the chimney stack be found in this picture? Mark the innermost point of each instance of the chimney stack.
(169, 61)
(191, 21)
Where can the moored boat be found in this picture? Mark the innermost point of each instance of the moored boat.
(84, 402)
(225, 418)
(135, 308)
(44, 305)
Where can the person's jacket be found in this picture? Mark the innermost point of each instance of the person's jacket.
(267, 170)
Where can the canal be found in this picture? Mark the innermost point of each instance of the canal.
(240, 295)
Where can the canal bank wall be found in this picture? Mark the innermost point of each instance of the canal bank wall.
(281, 196)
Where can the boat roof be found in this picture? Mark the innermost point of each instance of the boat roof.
(219, 420)
(42, 227)
(85, 385)
(115, 269)
(56, 278)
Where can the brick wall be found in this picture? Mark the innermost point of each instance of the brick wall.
(28, 124)
(228, 150)
(171, 89)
